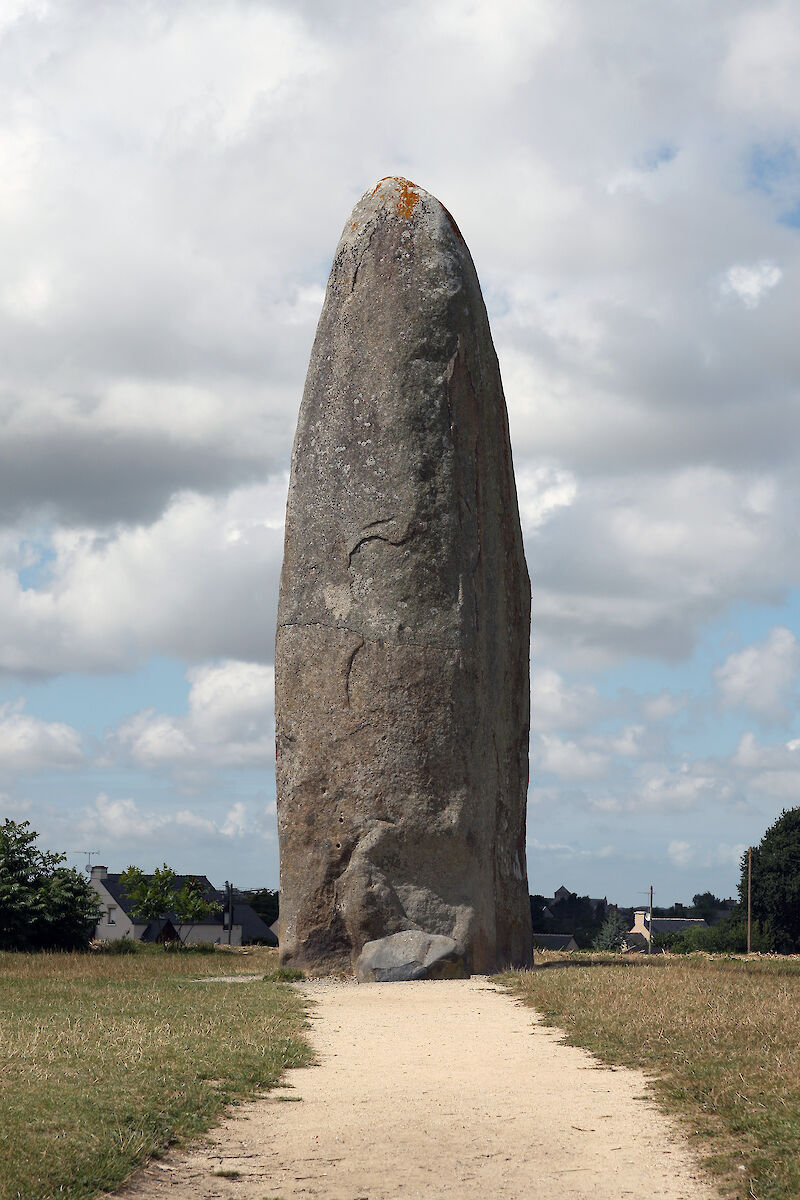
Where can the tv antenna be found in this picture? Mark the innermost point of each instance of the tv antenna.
(90, 854)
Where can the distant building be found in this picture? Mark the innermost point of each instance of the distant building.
(117, 920)
(563, 893)
(639, 936)
(554, 941)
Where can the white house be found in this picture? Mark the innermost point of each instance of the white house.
(641, 932)
(118, 922)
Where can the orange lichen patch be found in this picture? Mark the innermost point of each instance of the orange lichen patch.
(408, 199)
(354, 225)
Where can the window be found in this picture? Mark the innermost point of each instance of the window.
(111, 911)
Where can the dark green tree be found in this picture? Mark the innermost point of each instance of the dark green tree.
(541, 922)
(776, 882)
(43, 904)
(706, 906)
(577, 915)
(728, 936)
(265, 902)
(611, 933)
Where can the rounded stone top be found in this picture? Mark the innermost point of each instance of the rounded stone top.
(398, 199)
(400, 192)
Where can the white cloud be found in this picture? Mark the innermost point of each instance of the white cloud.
(680, 853)
(771, 770)
(123, 822)
(652, 558)
(763, 677)
(751, 755)
(542, 490)
(730, 855)
(186, 586)
(759, 77)
(558, 705)
(567, 759)
(660, 790)
(230, 723)
(563, 849)
(628, 742)
(13, 808)
(29, 744)
(752, 283)
(662, 706)
(236, 821)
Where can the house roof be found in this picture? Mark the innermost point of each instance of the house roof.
(111, 882)
(676, 924)
(251, 923)
(553, 941)
(634, 939)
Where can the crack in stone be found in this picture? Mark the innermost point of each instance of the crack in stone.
(364, 253)
(411, 532)
(357, 633)
(349, 668)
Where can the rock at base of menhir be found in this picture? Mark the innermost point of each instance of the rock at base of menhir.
(411, 954)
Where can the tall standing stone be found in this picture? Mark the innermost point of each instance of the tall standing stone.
(401, 666)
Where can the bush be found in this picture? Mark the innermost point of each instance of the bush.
(284, 975)
(729, 937)
(121, 945)
(192, 948)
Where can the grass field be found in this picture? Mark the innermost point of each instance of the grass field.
(106, 1060)
(721, 1035)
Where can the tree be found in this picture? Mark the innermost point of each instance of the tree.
(540, 917)
(157, 895)
(706, 906)
(612, 931)
(577, 915)
(265, 902)
(776, 881)
(43, 904)
(728, 936)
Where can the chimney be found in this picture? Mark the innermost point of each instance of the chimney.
(99, 872)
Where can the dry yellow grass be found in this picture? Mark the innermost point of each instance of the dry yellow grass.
(106, 1060)
(720, 1037)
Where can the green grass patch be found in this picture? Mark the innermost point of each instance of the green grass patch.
(284, 975)
(107, 1059)
(720, 1035)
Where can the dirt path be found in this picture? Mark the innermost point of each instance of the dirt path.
(446, 1089)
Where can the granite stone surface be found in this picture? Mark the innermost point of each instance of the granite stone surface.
(402, 656)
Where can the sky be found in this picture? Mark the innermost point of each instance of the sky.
(176, 177)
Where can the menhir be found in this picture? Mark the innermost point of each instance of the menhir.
(401, 665)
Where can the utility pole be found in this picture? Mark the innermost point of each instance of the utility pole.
(229, 901)
(650, 939)
(749, 896)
